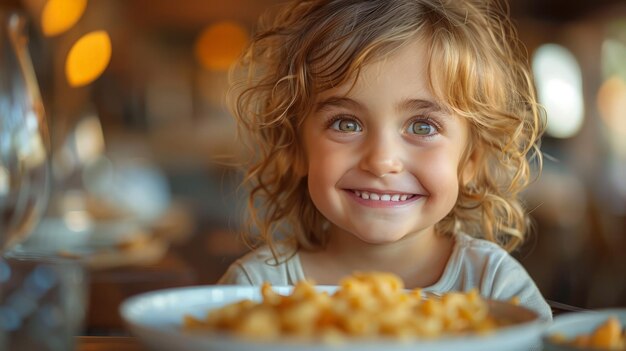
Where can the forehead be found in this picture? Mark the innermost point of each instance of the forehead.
(401, 75)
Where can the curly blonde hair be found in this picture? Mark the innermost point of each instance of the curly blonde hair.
(477, 69)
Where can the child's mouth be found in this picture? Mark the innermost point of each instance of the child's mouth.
(368, 195)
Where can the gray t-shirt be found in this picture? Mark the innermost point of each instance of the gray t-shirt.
(474, 263)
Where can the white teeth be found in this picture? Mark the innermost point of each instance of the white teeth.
(381, 197)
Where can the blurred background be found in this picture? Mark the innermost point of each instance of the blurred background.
(134, 94)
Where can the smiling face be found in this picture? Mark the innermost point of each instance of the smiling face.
(383, 155)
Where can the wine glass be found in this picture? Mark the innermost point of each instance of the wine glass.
(42, 298)
(24, 137)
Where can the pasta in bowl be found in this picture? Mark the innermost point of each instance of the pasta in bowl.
(597, 330)
(365, 312)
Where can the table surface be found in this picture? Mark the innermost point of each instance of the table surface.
(110, 287)
(108, 343)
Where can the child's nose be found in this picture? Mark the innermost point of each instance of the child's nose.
(382, 157)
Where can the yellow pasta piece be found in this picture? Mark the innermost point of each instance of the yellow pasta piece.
(608, 335)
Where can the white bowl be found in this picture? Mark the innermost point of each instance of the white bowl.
(156, 319)
(577, 323)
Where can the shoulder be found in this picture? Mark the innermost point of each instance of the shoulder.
(477, 259)
(261, 254)
(485, 256)
(468, 241)
(479, 250)
(259, 266)
(498, 275)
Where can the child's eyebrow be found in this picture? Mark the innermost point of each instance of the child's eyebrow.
(420, 105)
(336, 101)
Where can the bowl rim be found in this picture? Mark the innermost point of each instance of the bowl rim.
(131, 306)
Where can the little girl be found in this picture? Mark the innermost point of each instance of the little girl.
(389, 135)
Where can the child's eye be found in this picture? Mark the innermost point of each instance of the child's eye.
(421, 128)
(346, 125)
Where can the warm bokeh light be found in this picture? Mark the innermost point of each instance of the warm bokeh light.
(89, 139)
(612, 104)
(77, 220)
(60, 15)
(559, 87)
(88, 58)
(611, 100)
(220, 44)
